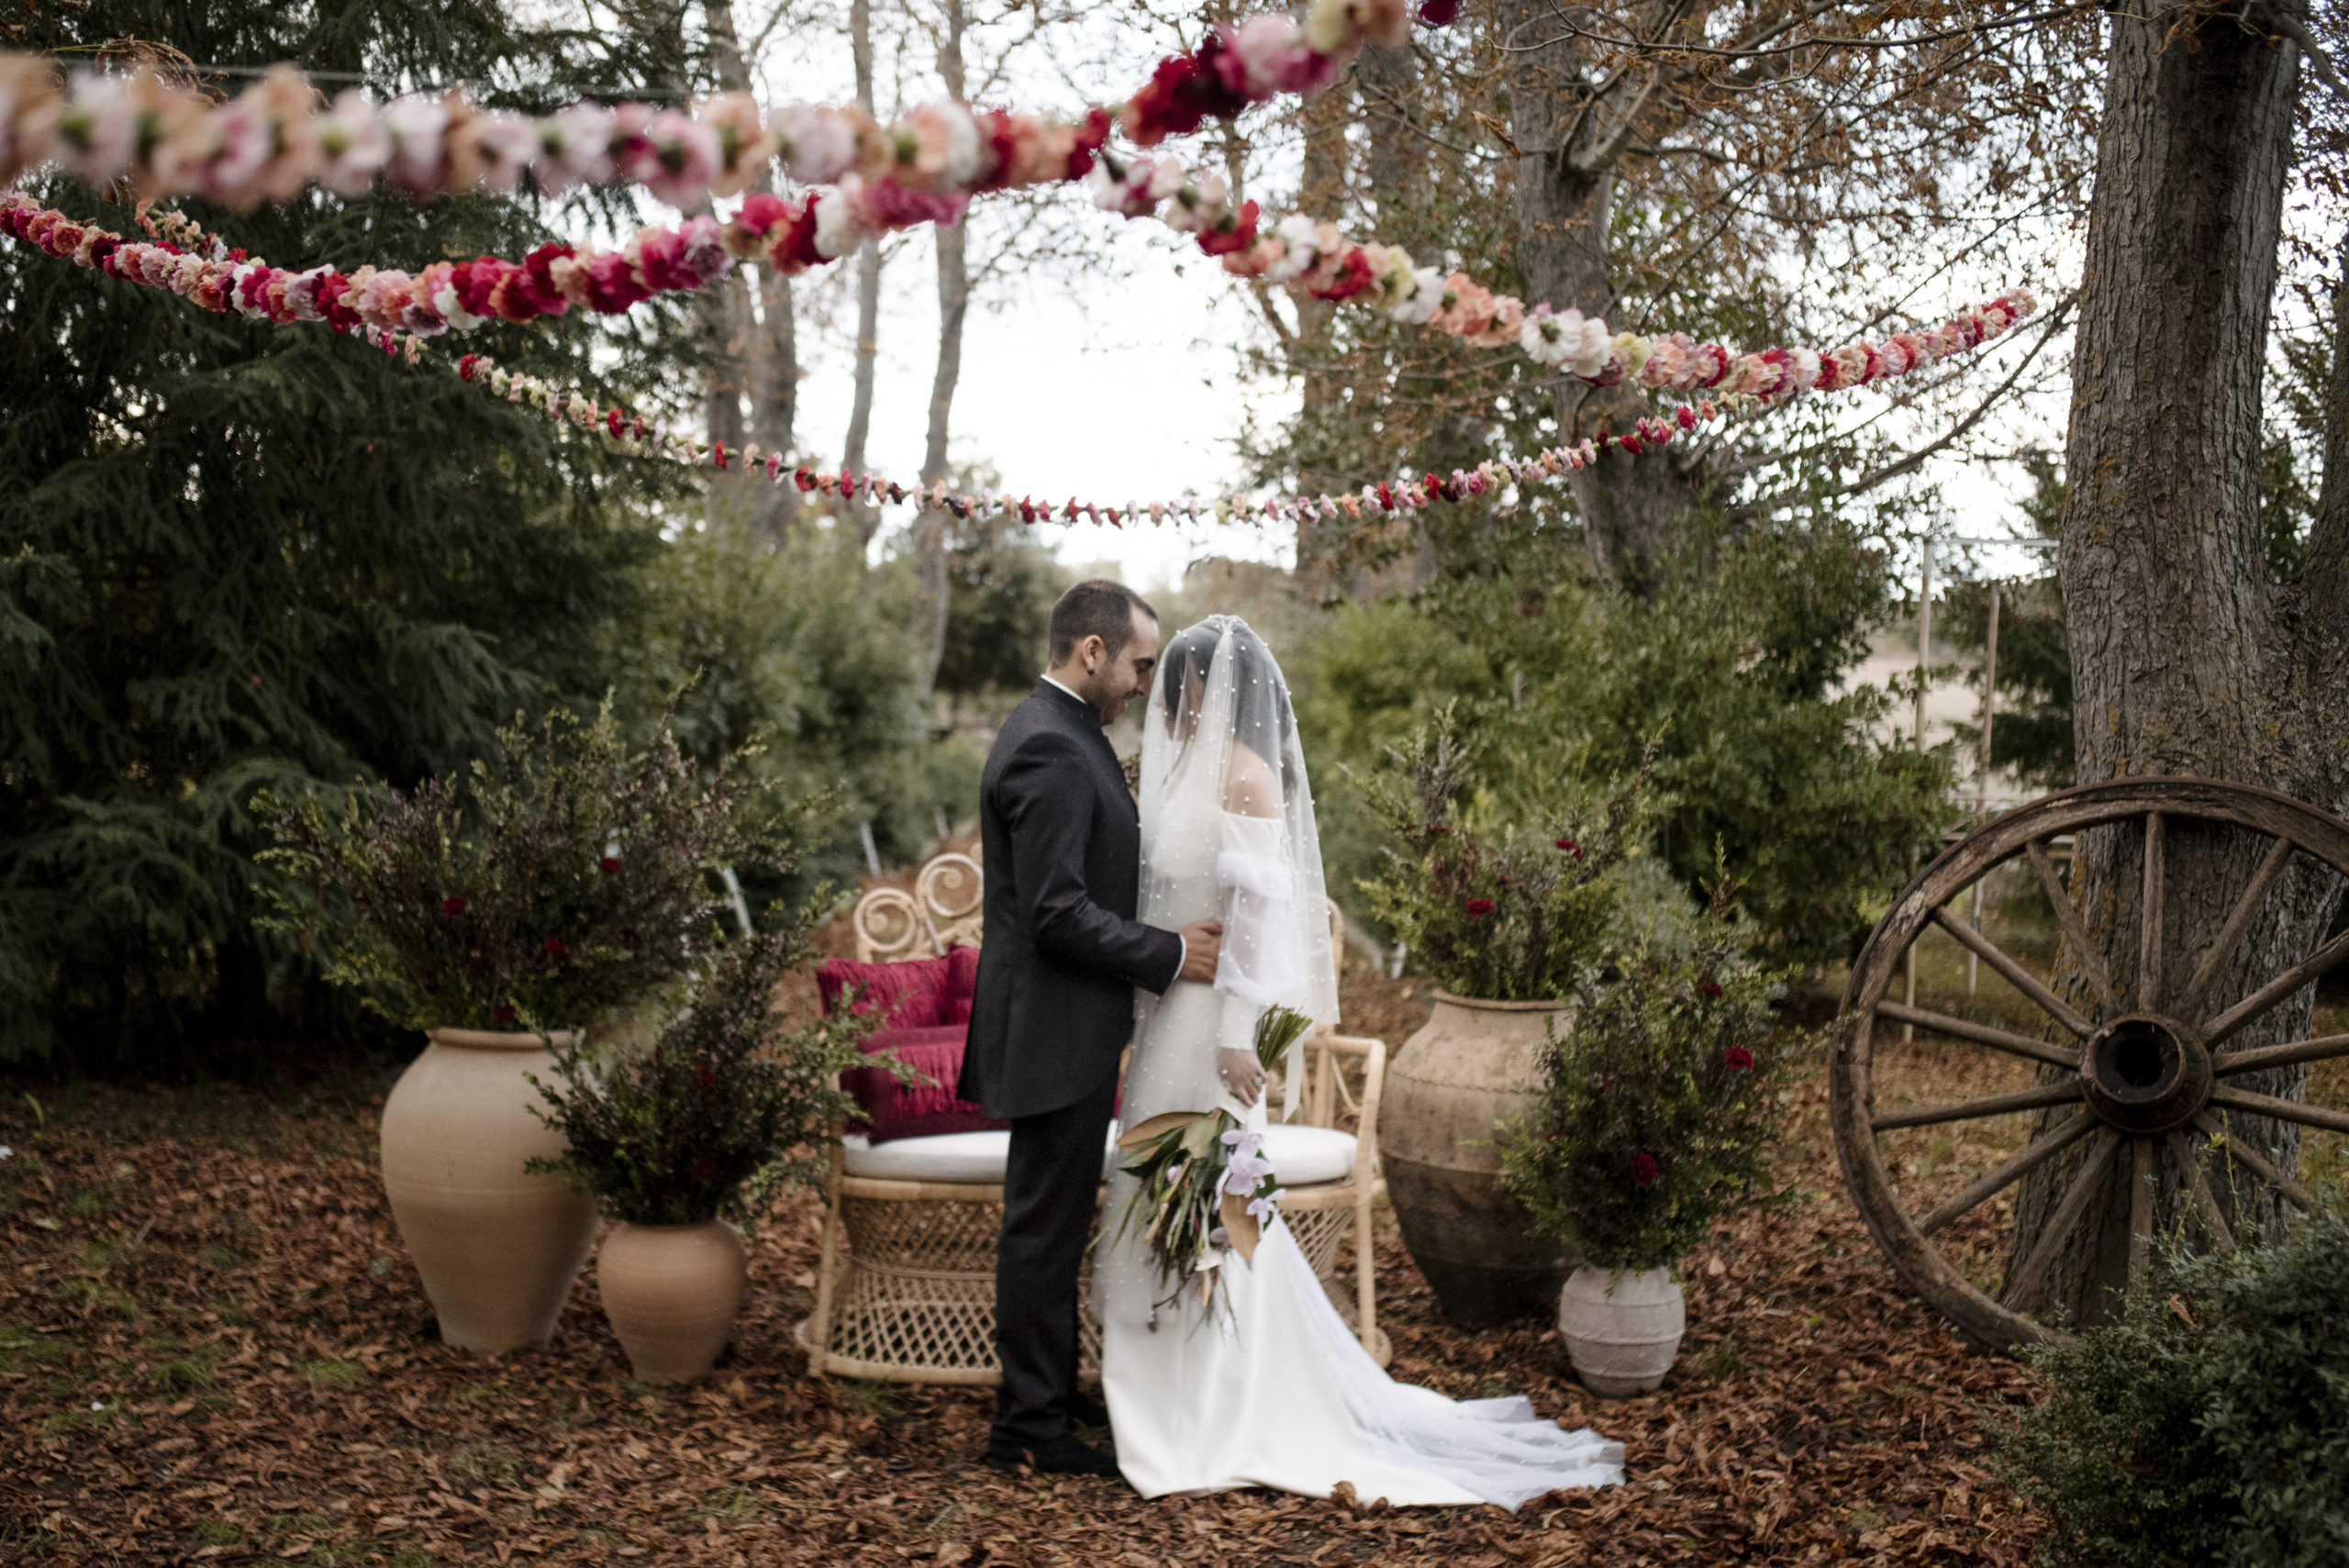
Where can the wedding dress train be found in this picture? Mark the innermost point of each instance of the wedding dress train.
(1266, 1385)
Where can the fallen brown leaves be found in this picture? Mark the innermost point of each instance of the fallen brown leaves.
(212, 1349)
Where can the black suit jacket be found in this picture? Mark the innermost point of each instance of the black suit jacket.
(1062, 952)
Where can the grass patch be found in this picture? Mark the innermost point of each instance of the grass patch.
(22, 1348)
(866, 1399)
(218, 1532)
(343, 1374)
(212, 1255)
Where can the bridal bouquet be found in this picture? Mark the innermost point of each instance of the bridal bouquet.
(1206, 1186)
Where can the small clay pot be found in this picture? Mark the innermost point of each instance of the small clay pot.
(671, 1293)
(497, 1245)
(1623, 1328)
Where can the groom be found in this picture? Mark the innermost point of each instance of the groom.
(1058, 966)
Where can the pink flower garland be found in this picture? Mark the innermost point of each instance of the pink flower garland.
(281, 134)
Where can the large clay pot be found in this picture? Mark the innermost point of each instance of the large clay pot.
(1473, 1067)
(497, 1246)
(1623, 1328)
(671, 1293)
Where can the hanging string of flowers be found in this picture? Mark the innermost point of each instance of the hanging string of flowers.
(1313, 258)
(199, 267)
(281, 135)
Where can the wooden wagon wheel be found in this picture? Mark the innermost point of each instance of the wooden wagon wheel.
(2151, 1072)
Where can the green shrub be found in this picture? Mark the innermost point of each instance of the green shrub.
(726, 1102)
(568, 878)
(1498, 909)
(2209, 1424)
(1657, 1111)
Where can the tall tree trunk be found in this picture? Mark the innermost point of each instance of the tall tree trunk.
(868, 294)
(755, 347)
(1566, 190)
(2185, 657)
(931, 539)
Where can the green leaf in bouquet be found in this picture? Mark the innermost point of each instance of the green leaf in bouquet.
(1276, 1031)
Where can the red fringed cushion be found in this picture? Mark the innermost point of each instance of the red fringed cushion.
(922, 1108)
(961, 983)
(911, 995)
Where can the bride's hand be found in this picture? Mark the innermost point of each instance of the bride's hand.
(1240, 1074)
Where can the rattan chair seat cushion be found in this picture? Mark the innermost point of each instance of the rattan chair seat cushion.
(1300, 1156)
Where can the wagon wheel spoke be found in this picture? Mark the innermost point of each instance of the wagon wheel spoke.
(2282, 1110)
(2231, 1022)
(2025, 1279)
(1990, 1185)
(2016, 974)
(2149, 919)
(2189, 1161)
(2067, 914)
(2260, 1058)
(2029, 1099)
(1981, 1034)
(2144, 1189)
(2251, 1159)
(2239, 918)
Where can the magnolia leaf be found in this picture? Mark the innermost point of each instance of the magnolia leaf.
(1157, 1127)
(1240, 1225)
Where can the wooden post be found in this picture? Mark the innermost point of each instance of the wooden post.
(1924, 650)
(1982, 768)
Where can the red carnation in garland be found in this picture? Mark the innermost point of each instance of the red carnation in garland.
(1740, 1059)
(609, 865)
(1235, 232)
(1439, 13)
(1644, 1171)
(705, 1169)
(556, 946)
(705, 1076)
(1712, 988)
(1478, 907)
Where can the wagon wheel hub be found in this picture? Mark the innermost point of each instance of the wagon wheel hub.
(2144, 1072)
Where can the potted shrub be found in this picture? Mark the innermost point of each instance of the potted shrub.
(562, 881)
(1509, 917)
(1659, 1118)
(675, 1141)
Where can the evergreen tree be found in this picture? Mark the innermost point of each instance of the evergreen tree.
(234, 554)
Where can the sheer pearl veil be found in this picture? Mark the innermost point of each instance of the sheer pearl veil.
(1218, 691)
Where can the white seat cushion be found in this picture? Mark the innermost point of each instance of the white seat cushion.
(1301, 1156)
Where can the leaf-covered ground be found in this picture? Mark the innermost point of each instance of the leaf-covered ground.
(213, 1348)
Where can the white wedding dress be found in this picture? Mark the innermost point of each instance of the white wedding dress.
(1269, 1386)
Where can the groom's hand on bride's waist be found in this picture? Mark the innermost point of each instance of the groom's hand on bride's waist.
(1202, 946)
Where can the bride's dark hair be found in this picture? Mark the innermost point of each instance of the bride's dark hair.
(1260, 713)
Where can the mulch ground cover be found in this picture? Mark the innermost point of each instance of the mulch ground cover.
(214, 1350)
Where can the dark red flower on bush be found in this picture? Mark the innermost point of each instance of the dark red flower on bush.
(1439, 827)
(705, 1076)
(1645, 1170)
(1740, 1059)
(556, 946)
(505, 1015)
(1571, 848)
(705, 1169)
(1439, 13)
(1606, 1086)
(452, 907)
(1502, 880)
(609, 865)
(1712, 988)
(1478, 907)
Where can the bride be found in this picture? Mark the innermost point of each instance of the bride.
(1267, 1387)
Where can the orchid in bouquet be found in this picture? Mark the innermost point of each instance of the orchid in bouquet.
(1206, 1188)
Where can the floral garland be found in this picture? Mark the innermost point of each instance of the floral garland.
(199, 267)
(1313, 259)
(281, 134)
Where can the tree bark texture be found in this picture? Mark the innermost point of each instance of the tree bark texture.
(2185, 657)
(930, 524)
(868, 294)
(1565, 195)
(753, 348)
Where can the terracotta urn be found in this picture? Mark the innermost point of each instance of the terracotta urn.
(1623, 1328)
(498, 1246)
(1473, 1067)
(671, 1293)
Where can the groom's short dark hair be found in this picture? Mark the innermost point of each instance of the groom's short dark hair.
(1097, 608)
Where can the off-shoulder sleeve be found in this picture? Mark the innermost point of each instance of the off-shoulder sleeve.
(1263, 964)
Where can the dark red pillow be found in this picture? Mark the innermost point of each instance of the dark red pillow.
(909, 995)
(925, 1106)
(961, 983)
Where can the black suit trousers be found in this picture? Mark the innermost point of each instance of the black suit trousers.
(1050, 1183)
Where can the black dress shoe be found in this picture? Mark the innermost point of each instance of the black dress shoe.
(1085, 1410)
(1063, 1455)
